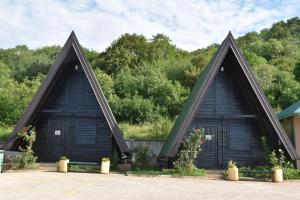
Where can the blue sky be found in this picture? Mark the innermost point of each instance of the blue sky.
(191, 24)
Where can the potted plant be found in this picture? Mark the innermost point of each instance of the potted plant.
(105, 164)
(233, 171)
(277, 163)
(63, 164)
(277, 175)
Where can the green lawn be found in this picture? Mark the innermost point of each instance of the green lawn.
(157, 130)
(152, 171)
(4, 132)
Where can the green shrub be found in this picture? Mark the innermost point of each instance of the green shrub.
(63, 158)
(231, 164)
(158, 130)
(162, 128)
(80, 168)
(189, 151)
(255, 172)
(5, 131)
(27, 160)
(143, 155)
(105, 159)
(277, 160)
(152, 171)
(291, 173)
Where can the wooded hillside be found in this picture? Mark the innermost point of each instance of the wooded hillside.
(147, 81)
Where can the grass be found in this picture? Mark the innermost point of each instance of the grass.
(288, 173)
(79, 168)
(4, 132)
(152, 171)
(155, 131)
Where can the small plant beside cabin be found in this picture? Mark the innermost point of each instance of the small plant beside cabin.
(27, 160)
(105, 159)
(275, 159)
(105, 165)
(63, 158)
(188, 153)
(231, 164)
(142, 155)
(5, 131)
(232, 171)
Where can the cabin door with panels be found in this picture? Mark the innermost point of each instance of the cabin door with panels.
(237, 141)
(224, 140)
(56, 138)
(208, 157)
(85, 147)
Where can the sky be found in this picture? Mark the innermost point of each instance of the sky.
(190, 24)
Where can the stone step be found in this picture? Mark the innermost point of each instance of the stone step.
(215, 174)
(48, 166)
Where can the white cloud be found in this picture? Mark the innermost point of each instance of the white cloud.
(191, 24)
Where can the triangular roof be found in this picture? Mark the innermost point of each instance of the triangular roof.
(71, 43)
(291, 111)
(189, 110)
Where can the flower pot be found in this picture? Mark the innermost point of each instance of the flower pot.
(105, 167)
(233, 174)
(63, 166)
(277, 175)
(124, 167)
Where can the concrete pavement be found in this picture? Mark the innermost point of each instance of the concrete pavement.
(53, 185)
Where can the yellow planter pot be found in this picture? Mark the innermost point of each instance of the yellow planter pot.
(277, 175)
(105, 167)
(63, 166)
(233, 174)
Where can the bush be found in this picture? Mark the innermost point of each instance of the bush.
(231, 164)
(162, 128)
(27, 160)
(151, 171)
(291, 173)
(5, 131)
(159, 130)
(264, 172)
(63, 158)
(278, 160)
(143, 155)
(189, 151)
(105, 159)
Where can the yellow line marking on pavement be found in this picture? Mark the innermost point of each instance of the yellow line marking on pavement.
(90, 184)
(72, 192)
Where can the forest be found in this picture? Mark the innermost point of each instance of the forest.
(147, 80)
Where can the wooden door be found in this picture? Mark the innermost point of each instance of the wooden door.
(84, 145)
(208, 157)
(237, 142)
(56, 137)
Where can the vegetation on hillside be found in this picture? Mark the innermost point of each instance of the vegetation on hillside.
(147, 81)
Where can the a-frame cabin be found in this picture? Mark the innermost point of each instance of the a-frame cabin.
(230, 106)
(70, 113)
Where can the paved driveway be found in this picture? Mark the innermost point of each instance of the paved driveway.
(53, 185)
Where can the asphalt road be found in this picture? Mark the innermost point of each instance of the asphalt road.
(53, 185)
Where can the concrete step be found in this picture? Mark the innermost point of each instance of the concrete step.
(48, 166)
(215, 174)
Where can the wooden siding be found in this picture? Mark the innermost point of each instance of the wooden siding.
(223, 97)
(72, 108)
(226, 115)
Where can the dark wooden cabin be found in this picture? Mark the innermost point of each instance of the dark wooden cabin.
(70, 113)
(232, 109)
